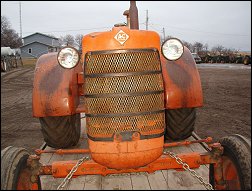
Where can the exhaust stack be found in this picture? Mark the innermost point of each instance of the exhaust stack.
(133, 15)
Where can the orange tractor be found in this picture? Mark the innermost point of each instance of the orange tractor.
(139, 98)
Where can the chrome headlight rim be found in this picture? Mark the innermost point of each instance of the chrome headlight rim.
(173, 38)
(77, 53)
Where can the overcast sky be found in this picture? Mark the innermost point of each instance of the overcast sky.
(226, 23)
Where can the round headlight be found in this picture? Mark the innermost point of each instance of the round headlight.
(172, 49)
(68, 57)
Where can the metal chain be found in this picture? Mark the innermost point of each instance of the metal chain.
(187, 168)
(70, 174)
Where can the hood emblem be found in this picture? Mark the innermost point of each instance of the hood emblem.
(121, 37)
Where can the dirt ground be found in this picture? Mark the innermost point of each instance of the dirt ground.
(226, 110)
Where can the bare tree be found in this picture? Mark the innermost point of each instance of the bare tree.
(197, 47)
(188, 45)
(5, 24)
(61, 41)
(68, 40)
(217, 50)
(9, 37)
(205, 47)
(78, 41)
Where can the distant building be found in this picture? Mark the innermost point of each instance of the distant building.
(37, 44)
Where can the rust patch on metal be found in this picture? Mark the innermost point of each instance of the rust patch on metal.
(49, 109)
(69, 90)
(179, 75)
(51, 80)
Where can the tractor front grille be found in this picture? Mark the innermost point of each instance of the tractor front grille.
(123, 93)
(120, 61)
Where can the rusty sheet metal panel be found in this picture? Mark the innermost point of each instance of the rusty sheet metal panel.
(182, 82)
(55, 89)
(124, 96)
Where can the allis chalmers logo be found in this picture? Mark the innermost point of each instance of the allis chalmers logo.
(121, 37)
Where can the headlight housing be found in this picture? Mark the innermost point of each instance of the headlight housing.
(68, 57)
(172, 49)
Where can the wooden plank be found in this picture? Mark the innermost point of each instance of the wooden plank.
(50, 183)
(93, 182)
(203, 145)
(140, 181)
(197, 147)
(46, 157)
(77, 183)
(182, 180)
(157, 181)
(116, 182)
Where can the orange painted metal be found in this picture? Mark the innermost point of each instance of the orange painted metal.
(175, 144)
(127, 154)
(61, 168)
(181, 82)
(137, 39)
(63, 151)
(24, 181)
(230, 174)
(55, 89)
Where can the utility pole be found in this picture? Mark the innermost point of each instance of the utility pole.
(163, 34)
(147, 20)
(20, 20)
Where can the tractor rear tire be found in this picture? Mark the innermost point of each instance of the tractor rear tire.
(13, 160)
(61, 132)
(236, 160)
(179, 123)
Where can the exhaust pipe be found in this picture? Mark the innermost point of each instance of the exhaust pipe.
(126, 13)
(133, 15)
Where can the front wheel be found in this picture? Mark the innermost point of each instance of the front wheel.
(61, 132)
(179, 123)
(236, 160)
(15, 175)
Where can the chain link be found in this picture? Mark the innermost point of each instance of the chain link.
(187, 168)
(70, 174)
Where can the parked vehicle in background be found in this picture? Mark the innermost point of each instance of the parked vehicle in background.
(196, 58)
(243, 59)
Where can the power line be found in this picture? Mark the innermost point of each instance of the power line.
(70, 30)
(202, 31)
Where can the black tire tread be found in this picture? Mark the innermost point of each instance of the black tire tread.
(241, 151)
(62, 131)
(238, 149)
(12, 160)
(179, 123)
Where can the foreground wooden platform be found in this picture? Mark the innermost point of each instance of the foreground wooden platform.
(159, 180)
